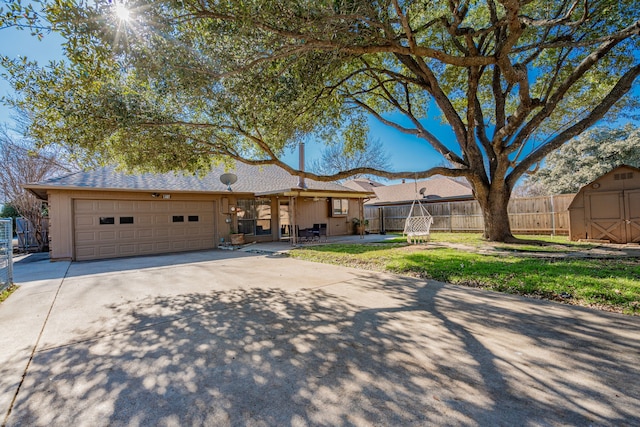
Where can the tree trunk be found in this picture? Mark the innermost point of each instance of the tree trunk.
(495, 214)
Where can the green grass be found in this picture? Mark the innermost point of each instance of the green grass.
(7, 292)
(610, 284)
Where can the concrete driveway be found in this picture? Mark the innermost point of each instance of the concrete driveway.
(224, 338)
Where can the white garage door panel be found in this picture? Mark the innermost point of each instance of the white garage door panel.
(144, 219)
(152, 231)
(84, 220)
(107, 205)
(126, 235)
(145, 233)
(84, 206)
(107, 251)
(85, 236)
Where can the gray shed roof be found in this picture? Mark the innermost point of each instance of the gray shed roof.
(258, 180)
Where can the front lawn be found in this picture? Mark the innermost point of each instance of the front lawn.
(609, 284)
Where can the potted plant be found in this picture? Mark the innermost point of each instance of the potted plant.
(359, 225)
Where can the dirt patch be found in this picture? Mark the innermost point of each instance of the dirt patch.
(546, 251)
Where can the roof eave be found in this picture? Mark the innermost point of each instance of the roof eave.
(299, 192)
(43, 189)
(40, 193)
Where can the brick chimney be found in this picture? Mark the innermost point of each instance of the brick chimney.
(301, 182)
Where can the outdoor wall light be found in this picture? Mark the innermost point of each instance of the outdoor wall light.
(155, 194)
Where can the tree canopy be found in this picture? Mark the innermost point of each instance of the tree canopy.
(177, 84)
(587, 157)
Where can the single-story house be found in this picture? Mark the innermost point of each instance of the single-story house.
(608, 209)
(104, 213)
(437, 189)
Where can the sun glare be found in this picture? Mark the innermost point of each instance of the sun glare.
(122, 12)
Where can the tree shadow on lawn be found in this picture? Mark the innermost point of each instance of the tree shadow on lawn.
(310, 357)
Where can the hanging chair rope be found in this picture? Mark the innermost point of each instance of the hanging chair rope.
(417, 226)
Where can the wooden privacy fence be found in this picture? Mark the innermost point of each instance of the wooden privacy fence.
(528, 215)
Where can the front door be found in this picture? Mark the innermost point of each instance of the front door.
(284, 219)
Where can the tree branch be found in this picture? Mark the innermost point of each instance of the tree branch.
(622, 87)
(551, 103)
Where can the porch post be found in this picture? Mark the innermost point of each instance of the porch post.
(293, 219)
(361, 204)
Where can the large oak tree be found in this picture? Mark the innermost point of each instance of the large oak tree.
(178, 84)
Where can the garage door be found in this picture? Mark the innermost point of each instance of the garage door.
(118, 228)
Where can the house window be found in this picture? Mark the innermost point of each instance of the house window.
(254, 216)
(126, 220)
(193, 218)
(107, 220)
(339, 207)
(178, 218)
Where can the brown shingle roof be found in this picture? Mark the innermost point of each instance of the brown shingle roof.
(441, 188)
(251, 179)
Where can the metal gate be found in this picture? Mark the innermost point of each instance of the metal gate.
(6, 253)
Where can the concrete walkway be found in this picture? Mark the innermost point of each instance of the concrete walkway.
(283, 247)
(230, 338)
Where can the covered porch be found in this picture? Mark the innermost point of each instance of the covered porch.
(303, 215)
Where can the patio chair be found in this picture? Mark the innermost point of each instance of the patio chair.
(304, 234)
(322, 232)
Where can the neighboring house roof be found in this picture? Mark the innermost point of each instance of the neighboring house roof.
(362, 184)
(259, 180)
(435, 189)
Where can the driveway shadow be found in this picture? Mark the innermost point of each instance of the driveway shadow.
(311, 357)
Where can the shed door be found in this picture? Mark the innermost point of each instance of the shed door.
(605, 216)
(117, 228)
(632, 205)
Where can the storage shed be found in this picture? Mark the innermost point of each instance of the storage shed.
(608, 209)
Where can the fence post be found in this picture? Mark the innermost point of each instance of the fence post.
(553, 218)
(10, 251)
(450, 217)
